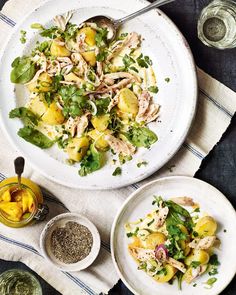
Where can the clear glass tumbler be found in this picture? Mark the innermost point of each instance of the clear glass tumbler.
(217, 24)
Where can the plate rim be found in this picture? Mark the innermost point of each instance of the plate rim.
(133, 195)
(169, 156)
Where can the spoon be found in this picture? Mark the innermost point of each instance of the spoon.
(19, 164)
(113, 25)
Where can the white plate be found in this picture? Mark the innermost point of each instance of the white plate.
(171, 58)
(139, 204)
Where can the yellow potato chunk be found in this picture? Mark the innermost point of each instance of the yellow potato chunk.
(163, 278)
(206, 226)
(101, 122)
(38, 105)
(59, 50)
(73, 78)
(43, 84)
(77, 148)
(154, 240)
(128, 102)
(98, 137)
(13, 210)
(90, 35)
(53, 115)
(90, 57)
(197, 255)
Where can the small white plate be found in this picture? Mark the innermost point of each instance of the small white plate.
(139, 204)
(60, 221)
(172, 59)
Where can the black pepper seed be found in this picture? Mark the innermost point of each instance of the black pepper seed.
(71, 243)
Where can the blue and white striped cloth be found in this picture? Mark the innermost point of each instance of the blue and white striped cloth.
(217, 104)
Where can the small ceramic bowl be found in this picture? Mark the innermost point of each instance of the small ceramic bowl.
(60, 221)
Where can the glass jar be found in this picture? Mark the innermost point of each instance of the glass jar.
(19, 282)
(21, 206)
(217, 24)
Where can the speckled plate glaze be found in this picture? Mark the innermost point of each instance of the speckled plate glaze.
(211, 201)
(171, 57)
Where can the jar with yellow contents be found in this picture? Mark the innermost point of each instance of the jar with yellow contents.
(21, 206)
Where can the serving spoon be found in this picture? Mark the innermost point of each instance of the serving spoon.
(113, 25)
(19, 164)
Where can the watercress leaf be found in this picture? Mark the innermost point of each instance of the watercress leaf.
(141, 136)
(153, 89)
(102, 55)
(128, 61)
(102, 105)
(91, 162)
(23, 70)
(117, 171)
(51, 33)
(35, 137)
(28, 117)
(101, 37)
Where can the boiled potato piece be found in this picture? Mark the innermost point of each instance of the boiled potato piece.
(90, 35)
(197, 255)
(53, 115)
(73, 78)
(101, 122)
(90, 57)
(206, 226)
(59, 50)
(154, 240)
(38, 105)
(163, 278)
(43, 84)
(128, 102)
(77, 148)
(98, 137)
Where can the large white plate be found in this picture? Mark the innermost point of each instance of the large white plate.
(139, 204)
(171, 57)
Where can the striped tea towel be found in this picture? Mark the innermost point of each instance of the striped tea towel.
(217, 105)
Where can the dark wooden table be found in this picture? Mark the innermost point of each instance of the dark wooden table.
(219, 167)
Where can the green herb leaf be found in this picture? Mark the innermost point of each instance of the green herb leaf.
(51, 33)
(144, 163)
(28, 117)
(195, 264)
(102, 105)
(128, 61)
(167, 80)
(153, 89)
(102, 55)
(23, 36)
(210, 282)
(157, 200)
(151, 222)
(23, 70)
(35, 137)
(144, 61)
(214, 260)
(101, 37)
(91, 162)
(70, 32)
(117, 171)
(141, 137)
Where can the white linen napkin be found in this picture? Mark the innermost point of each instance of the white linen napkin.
(216, 107)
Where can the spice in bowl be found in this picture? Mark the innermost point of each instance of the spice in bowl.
(71, 243)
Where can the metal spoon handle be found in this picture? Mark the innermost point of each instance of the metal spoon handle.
(142, 11)
(19, 164)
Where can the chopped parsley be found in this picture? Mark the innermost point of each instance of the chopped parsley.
(163, 271)
(214, 260)
(195, 264)
(102, 55)
(144, 163)
(144, 61)
(23, 36)
(194, 285)
(101, 37)
(153, 89)
(134, 234)
(151, 222)
(167, 80)
(128, 61)
(196, 210)
(117, 172)
(157, 200)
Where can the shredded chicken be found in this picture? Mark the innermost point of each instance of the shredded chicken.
(177, 264)
(196, 272)
(148, 111)
(142, 254)
(121, 75)
(132, 41)
(160, 217)
(203, 244)
(114, 101)
(120, 146)
(77, 126)
(184, 201)
(62, 20)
